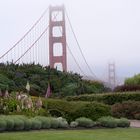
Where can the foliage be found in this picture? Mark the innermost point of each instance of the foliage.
(111, 122)
(73, 110)
(110, 98)
(123, 122)
(135, 80)
(62, 122)
(73, 124)
(45, 122)
(54, 123)
(14, 78)
(108, 122)
(124, 88)
(3, 125)
(84, 122)
(18, 124)
(130, 84)
(128, 109)
(36, 124)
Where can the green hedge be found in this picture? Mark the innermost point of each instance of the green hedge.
(73, 110)
(111, 122)
(109, 99)
(127, 109)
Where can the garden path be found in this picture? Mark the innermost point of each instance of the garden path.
(135, 123)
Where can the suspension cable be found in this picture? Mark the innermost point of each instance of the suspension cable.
(35, 41)
(79, 46)
(26, 33)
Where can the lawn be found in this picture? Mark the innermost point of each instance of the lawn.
(96, 134)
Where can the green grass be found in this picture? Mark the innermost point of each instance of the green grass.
(97, 134)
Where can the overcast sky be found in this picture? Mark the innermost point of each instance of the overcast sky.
(107, 30)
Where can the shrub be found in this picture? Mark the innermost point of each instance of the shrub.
(62, 122)
(84, 122)
(74, 124)
(18, 124)
(128, 109)
(109, 122)
(36, 124)
(92, 110)
(3, 124)
(123, 122)
(137, 116)
(73, 110)
(109, 99)
(124, 88)
(45, 122)
(10, 123)
(54, 123)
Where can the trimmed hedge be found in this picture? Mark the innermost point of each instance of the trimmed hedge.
(3, 125)
(22, 123)
(110, 98)
(85, 122)
(45, 122)
(74, 110)
(128, 109)
(111, 122)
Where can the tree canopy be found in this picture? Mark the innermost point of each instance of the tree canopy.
(14, 78)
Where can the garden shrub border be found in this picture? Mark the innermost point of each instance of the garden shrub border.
(107, 98)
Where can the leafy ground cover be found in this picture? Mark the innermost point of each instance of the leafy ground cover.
(96, 134)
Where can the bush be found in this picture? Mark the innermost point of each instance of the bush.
(18, 124)
(54, 123)
(109, 122)
(45, 122)
(62, 122)
(73, 110)
(10, 123)
(128, 109)
(3, 124)
(84, 122)
(36, 124)
(74, 124)
(109, 99)
(125, 88)
(123, 122)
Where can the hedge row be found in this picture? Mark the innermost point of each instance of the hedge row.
(108, 122)
(127, 109)
(109, 99)
(19, 123)
(73, 110)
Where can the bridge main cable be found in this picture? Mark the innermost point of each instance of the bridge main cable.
(79, 46)
(35, 41)
(26, 33)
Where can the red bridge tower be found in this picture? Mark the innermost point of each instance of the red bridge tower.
(55, 40)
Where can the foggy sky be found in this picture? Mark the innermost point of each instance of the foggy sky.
(107, 30)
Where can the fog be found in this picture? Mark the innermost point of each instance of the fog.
(107, 30)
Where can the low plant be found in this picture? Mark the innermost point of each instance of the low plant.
(73, 124)
(128, 109)
(62, 122)
(45, 122)
(123, 122)
(84, 122)
(18, 124)
(109, 122)
(36, 124)
(3, 125)
(54, 123)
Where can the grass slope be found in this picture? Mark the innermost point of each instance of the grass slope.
(97, 134)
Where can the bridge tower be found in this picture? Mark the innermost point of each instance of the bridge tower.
(112, 75)
(55, 40)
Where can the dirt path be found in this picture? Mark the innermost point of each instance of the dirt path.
(135, 123)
